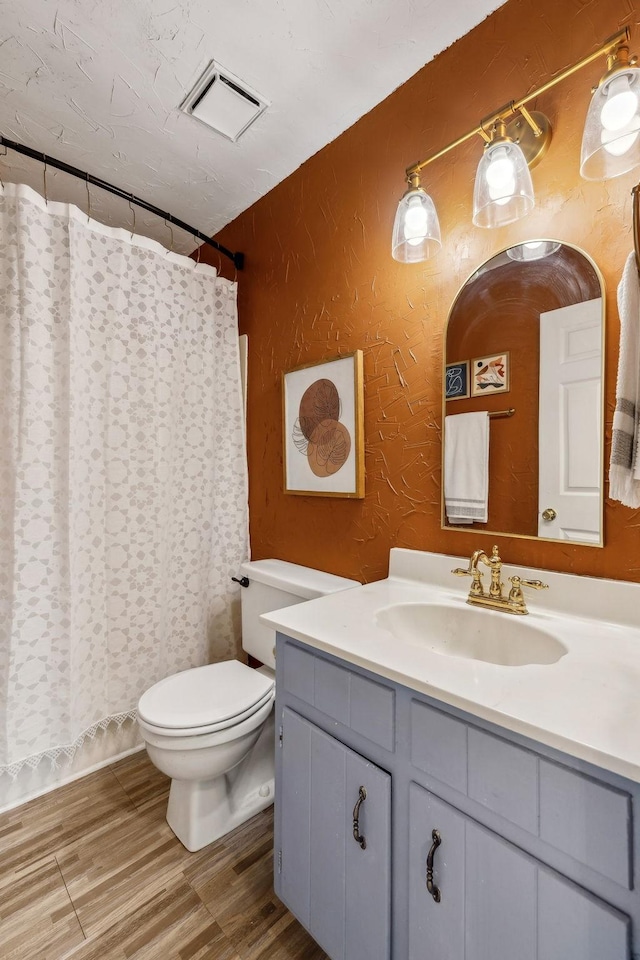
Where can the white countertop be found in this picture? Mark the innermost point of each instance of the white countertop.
(587, 704)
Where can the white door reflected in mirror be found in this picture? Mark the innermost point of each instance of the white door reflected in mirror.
(569, 422)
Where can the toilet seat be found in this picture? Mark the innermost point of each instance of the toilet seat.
(183, 742)
(204, 699)
(207, 727)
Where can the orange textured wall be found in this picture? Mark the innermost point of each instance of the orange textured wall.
(320, 281)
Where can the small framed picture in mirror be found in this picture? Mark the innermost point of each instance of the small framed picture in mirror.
(490, 375)
(456, 381)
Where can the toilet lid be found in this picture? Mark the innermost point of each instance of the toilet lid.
(204, 695)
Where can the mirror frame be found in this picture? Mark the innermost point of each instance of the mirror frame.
(474, 528)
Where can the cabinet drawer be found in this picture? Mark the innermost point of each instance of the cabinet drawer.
(364, 705)
(439, 745)
(503, 778)
(588, 820)
(495, 773)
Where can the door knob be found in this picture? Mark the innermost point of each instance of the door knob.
(549, 514)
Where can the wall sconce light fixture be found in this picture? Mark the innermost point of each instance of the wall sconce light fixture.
(611, 141)
(503, 189)
(516, 139)
(416, 229)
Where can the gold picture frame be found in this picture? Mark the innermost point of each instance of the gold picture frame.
(323, 428)
(490, 374)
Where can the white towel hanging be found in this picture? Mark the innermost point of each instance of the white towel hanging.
(466, 467)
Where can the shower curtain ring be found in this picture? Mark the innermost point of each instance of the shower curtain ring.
(88, 198)
(168, 224)
(198, 248)
(44, 178)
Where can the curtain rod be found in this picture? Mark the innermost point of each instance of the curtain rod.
(236, 258)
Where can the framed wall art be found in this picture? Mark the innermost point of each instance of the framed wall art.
(490, 375)
(323, 419)
(456, 381)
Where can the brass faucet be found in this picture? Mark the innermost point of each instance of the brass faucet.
(495, 598)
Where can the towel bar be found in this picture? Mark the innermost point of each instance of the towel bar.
(494, 414)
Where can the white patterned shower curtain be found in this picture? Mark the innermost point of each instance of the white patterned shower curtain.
(122, 478)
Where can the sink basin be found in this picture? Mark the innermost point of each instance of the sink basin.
(471, 633)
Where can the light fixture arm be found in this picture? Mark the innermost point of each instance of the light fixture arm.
(610, 48)
(537, 130)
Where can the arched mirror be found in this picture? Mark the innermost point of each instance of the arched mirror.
(524, 349)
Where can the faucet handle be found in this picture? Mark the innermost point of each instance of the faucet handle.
(516, 597)
(535, 584)
(476, 589)
(518, 582)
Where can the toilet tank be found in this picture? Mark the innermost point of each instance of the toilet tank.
(274, 584)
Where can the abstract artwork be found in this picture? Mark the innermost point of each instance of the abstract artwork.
(490, 375)
(323, 428)
(456, 380)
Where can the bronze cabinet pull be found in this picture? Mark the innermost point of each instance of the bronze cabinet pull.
(362, 796)
(431, 887)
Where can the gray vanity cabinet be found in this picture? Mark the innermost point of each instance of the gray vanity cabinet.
(537, 859)
(338, 888)
(495, 901)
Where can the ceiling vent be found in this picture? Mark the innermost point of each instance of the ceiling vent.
(223, 102)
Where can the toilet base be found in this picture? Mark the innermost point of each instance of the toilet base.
(201, 811)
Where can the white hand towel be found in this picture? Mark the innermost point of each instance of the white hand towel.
(624, 469)
(466, 467)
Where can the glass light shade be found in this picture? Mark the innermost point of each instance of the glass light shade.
(611, 139)
(533, 250)
(503, 190)
(416, 230)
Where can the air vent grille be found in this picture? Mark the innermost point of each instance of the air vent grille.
(223, 102)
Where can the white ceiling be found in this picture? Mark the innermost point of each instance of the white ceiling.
(97, 83)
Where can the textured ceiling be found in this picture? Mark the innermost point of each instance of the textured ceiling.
(97, 83)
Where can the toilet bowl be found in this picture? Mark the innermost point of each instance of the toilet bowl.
(191, 738)
(211, 729)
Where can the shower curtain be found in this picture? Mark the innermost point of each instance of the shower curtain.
(122, 476)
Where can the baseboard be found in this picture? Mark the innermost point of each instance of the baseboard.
(102, 751)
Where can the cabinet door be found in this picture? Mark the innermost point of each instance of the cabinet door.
(497, 903)
(339, 891)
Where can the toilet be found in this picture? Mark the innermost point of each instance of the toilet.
(211, 729)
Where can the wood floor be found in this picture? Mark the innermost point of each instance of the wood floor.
(93, 872)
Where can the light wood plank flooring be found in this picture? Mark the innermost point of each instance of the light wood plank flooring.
(93, 872)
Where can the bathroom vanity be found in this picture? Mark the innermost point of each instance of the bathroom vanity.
(441, 807)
